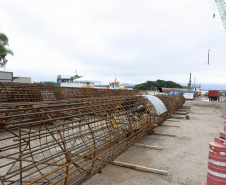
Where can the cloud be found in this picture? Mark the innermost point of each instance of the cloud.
(135, 40)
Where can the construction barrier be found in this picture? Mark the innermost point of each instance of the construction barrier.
(216, 174)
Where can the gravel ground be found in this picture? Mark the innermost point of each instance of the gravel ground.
(185, 156)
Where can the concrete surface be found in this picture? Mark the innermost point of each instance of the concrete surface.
(185, 156)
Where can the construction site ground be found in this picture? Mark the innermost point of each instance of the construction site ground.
(185, 156)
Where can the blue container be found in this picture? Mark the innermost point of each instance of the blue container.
(172, 93)
(189, 92)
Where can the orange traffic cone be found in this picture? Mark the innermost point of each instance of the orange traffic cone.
(187, 115)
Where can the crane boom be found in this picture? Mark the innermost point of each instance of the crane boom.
(221, 5)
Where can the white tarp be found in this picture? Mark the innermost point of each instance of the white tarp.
(157, 103)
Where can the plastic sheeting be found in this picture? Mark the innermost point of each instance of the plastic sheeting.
(157, 103)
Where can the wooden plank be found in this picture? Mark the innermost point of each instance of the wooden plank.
(148, 146)
(175, 117)
(163, 134)
(180, 113)
(170, 125)
(140, 168)
(185, 107)
(173, 120)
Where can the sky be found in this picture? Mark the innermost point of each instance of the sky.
(135, 40)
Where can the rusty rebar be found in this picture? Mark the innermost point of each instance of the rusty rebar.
(27, 92)
(69, 141)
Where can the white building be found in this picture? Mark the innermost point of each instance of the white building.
(75, 81)
(22, 79)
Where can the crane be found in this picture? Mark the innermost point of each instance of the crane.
(221, 5)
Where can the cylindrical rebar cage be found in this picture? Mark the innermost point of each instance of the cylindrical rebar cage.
(25, 92)
(68, 141)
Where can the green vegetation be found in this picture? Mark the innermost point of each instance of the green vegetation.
(153, 85)
(4, 51)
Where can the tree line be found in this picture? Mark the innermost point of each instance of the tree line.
(153, 85)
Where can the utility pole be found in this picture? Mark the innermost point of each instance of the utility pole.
(189, 84)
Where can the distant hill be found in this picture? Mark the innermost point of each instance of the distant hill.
(127, 84)
(152, 85)
(210, 86)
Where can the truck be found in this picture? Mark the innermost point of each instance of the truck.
(214, 95)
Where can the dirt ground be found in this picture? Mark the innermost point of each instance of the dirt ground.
(185, 156)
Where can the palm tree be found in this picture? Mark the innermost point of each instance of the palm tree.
(4, 50)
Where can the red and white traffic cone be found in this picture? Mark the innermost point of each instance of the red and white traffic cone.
(187, 115)
(216, 166)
